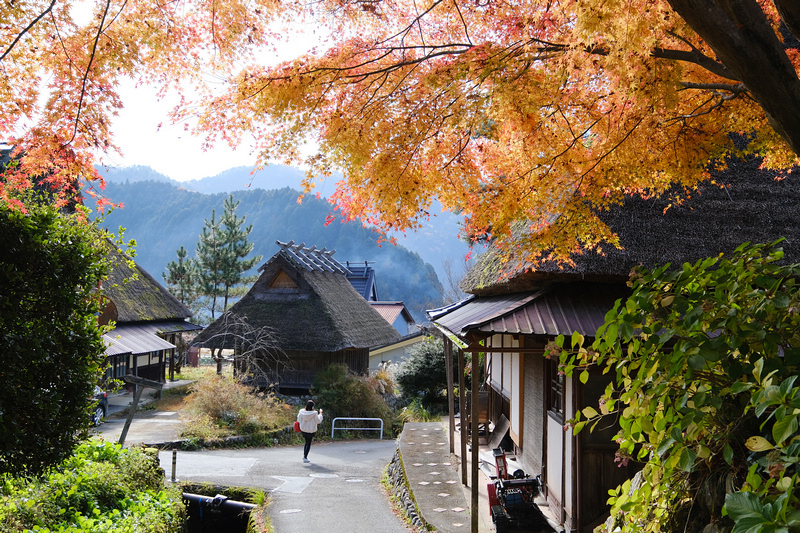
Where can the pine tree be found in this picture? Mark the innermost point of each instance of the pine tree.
(211, 261)
(182, 277)
(222, 259)
(237, 248)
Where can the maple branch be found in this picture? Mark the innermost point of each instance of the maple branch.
(743, 38)
(418, 24)
(85, 79)
(608, 152)
(696, 57)
(467, 136)
(411, 24)
(735, 91)
(551, 165)
(463, 22)
(27, 29)
(737, 88)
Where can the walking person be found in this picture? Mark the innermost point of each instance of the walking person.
(308, 419)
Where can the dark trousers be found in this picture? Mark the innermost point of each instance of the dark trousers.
(309, 437)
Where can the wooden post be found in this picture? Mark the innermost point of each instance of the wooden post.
(462, 410)
(140, 384)
(172, 364)
(448, 361)
(475, 423)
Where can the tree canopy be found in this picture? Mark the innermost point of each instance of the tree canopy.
(527, 113)
(51, 345)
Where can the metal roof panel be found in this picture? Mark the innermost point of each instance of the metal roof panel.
(555, 310)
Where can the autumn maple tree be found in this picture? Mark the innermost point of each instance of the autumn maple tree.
(530, 113)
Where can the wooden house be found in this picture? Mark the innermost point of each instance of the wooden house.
(362, 277)
(517, 308)
(396, 314)
(314, 315)
(147, 319)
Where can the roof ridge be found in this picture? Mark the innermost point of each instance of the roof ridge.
(312, 259)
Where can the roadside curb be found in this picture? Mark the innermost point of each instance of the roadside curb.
(277, 436)
(403, 492)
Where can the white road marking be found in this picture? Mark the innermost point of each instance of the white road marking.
(295, 485)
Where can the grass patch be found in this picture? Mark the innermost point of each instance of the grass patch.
(197, 373)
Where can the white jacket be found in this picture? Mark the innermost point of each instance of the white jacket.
(308, 420)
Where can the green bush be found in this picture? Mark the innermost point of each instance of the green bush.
(424, 374)
(416, 412)
(102, 487)
(342, 394)
(52, 344)
(707, 363)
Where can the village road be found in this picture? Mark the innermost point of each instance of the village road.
(340, 491)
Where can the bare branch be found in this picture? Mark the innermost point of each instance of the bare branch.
(258, 360)
(85, 79)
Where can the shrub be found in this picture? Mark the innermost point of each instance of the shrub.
(101, 487)
(706, 360)
(416, 412)
(221, 406)
(423, 375)
(343, 394)
(52, 344)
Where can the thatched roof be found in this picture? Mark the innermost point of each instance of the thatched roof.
(142, 298)
(304, 297)
(753, 206)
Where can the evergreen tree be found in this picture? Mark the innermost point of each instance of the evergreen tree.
(181, 278)
(237, 248)
(211, 251)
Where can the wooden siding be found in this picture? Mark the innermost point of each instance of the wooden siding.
(534, 433)
(597, 470)
(299, 368)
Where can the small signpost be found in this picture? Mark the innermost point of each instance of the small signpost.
(141, 384)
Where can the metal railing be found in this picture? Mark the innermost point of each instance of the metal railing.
(334, 428)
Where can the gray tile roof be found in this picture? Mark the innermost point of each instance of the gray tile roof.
(362, 278)
(310, 259)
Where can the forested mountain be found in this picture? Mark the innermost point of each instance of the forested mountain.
(162, 217)
(437, 242)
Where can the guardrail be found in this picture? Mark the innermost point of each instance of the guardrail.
(334, 428)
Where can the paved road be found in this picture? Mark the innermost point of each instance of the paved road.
(340, 491)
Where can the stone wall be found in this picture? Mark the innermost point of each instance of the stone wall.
(397, 477)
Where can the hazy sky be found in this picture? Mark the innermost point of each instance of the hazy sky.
(172, 151)
(169, 150)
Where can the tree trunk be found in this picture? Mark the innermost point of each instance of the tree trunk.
(742, 38)
(216, 355)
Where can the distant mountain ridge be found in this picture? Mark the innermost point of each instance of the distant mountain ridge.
(234, 179)
(436, 242)
(162, 217)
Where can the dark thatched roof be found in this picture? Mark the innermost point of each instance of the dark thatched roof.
(753, 206)
(140, 299)
(321, 312)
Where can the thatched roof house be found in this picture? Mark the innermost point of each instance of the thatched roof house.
(743, 204)
(314, 314)
(148, 320)
(516, 308)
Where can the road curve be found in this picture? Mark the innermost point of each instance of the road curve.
(339, 491)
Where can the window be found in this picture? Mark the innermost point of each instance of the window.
(555, 400)
(282, 281)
